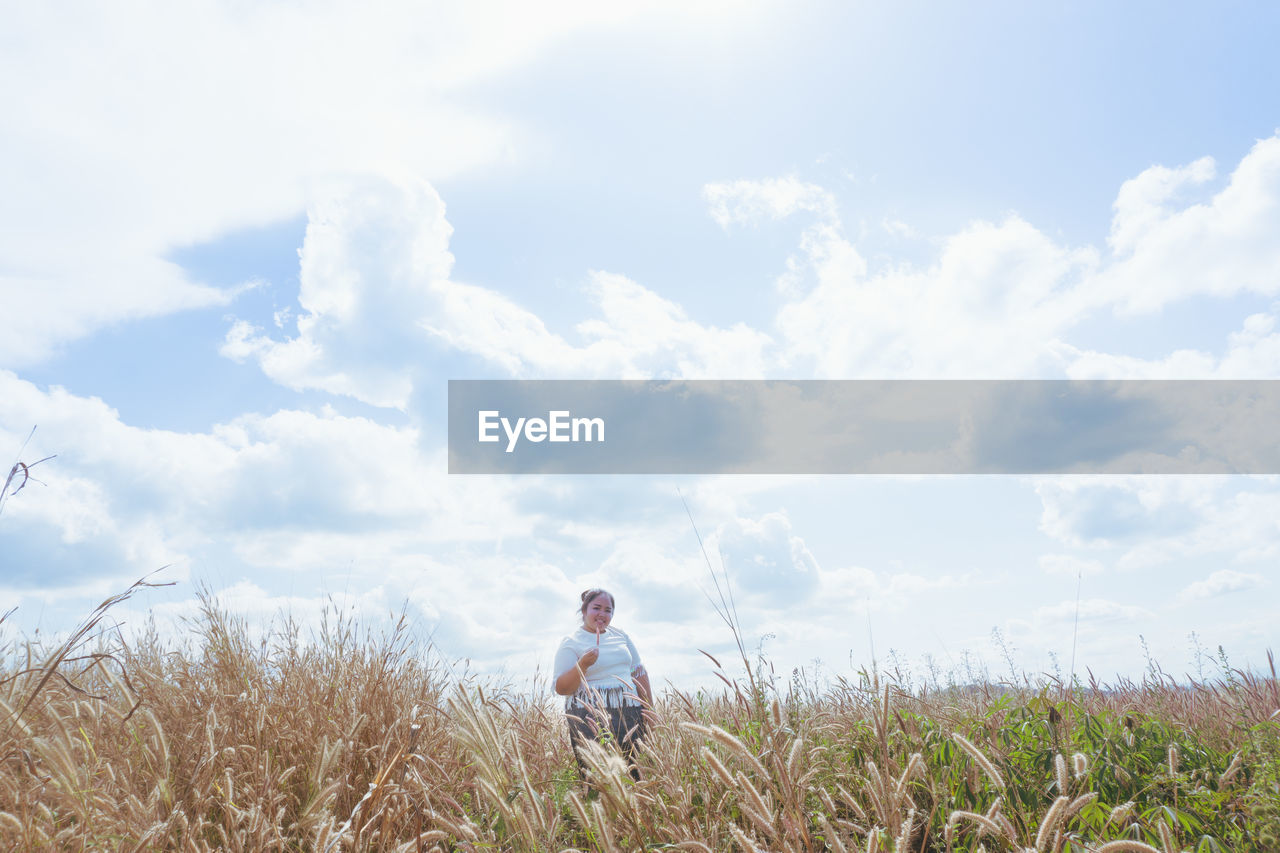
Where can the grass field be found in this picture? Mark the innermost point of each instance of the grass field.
(355, 741)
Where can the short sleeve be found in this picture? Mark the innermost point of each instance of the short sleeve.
(635, 655)
(566, 657)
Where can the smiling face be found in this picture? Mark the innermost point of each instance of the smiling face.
(597, 612)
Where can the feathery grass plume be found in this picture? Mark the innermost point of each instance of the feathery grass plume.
(848, 800)
(1232, 769)
(1121, 813)
(877, 789)
(716, 767)
(793, 758)
(579, 811)
(1051, 819)
(1166, 837)
(830, 835)
(272, 746)
(981, 760)
(873, 840)
(1127, 846)
(1080, 764)
(915, 769)
(602, 824)
(1003, 826)
(743, 840)
(1173, 760)
(740, 748)
(1073, 808)
(1060, 772)
(904, 834)
(764, 814)
(986, 826)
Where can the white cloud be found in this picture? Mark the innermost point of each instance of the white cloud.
(1219, 247)
(991, 307)
(998, 302)
(376, 296)
(643, 334)
(143, 127)
(635, 335)
(1093, 625)
(1141, 205)
(1091, 611)
(1148, 522)
(1065, 564)
(766, 560)
(1001, 299)
(143, 498)
(374, 252)
(747, 202)
(1219, 583)
(1253, 352)
(848, 589)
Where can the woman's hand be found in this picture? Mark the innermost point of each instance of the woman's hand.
(571, 679)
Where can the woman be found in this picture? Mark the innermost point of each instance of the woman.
(599, 672)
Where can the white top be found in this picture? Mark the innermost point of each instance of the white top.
(609, 681)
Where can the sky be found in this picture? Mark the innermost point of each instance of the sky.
(244, 247)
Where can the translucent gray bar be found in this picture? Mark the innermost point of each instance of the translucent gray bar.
(864, 427)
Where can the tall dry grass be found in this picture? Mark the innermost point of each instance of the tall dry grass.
(355, 739)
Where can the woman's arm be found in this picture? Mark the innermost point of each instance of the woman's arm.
(643, 690)
(570, 680)
(639, 675)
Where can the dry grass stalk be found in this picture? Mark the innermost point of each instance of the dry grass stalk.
(1051, 820)
(981, 760)
(239, 743)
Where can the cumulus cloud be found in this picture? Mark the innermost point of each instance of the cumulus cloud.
(1092, 610)
(990, 307)
(372, 256)
(1099, 512)
(1219, 583)
(747, 202)
(1221, 246)
(636, 334)
(140, 129)
(132, 499)
(1145, 522)
(376, 296)
(655, 585)
(1142, 203)
(1001, 299)
(1092, 623)
(767, 560)
(1065, 564)
(1252, 352)
(848, 589)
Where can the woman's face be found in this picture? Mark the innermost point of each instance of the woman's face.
(599, 613)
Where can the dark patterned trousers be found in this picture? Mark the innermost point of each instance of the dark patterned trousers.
(622, 726)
